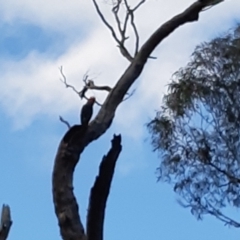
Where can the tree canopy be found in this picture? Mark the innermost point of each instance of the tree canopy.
(197, 129)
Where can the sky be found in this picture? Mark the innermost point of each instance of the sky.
(36, 40)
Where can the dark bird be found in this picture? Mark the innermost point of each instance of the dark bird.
(87, 111)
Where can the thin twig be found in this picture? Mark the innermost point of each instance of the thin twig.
(89, 84)
(105, 21)
(129, 95)
(125, 22)
(121, 46)
(218, 214)
(64, 121)
(131, 13)
(230, 177)
(115, 11)
(64, 80)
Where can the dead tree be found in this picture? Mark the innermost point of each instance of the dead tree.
(6, 222)
(77, 138)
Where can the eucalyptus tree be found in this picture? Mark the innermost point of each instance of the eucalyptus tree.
(197, 129)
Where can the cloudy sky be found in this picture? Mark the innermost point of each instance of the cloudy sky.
(36, 39)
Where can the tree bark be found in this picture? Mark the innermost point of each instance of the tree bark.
(6, 222)
(65, 203)
(100, 191)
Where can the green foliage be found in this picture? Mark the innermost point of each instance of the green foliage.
(197, 130)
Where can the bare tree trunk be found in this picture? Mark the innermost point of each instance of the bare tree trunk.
(100, 191)
(66, 207)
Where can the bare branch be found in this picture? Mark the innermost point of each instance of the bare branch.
(100, 191)
(115, 11)
(136, 34)
(81, 94)
(131, 14)
(115, 97)
(89, 84)
(191, 14)
(106, 22)
(210, 3)
(138, 5)
(129, 95)
(64, 80)
(125, 52)
(121, 46)
(64, 121)
(121, 30)
(125, 22)
(6, 222)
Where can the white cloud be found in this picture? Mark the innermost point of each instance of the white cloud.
(32, 87)
(56, 14)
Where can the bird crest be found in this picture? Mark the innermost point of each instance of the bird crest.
(92, 99)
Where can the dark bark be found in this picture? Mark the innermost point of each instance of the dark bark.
(76, 139)
(100, 191)
(6, 222)
(66, 207)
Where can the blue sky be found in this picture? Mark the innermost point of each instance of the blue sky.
(35, 41)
